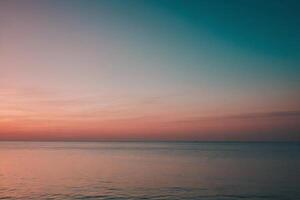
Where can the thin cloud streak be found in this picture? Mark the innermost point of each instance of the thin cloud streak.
(245, 116)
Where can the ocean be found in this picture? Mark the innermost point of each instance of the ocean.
(149, 170)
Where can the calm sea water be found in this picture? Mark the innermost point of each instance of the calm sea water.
(145, 170)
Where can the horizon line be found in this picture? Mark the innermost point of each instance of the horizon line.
(169, 141)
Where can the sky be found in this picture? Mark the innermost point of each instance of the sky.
(150, 70)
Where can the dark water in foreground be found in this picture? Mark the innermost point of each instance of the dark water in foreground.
(137, 170)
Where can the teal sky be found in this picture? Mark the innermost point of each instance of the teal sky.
(239, 42)
(166, 64)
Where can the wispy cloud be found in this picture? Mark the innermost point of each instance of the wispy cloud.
(243, 116)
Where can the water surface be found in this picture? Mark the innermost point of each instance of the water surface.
(149, 170)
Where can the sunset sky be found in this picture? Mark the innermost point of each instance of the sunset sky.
(150, 70)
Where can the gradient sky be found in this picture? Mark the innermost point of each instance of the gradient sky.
(149, 70)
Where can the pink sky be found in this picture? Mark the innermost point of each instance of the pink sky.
(64, 78)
